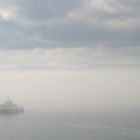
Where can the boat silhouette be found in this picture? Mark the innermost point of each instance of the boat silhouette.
(8, 107)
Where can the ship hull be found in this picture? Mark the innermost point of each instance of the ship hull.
(11, 112)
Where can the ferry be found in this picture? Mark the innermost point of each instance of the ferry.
(9, 108)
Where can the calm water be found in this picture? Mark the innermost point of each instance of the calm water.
(30, 126)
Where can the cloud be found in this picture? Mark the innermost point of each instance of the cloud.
(118, 12)
(111, 25)
(45, 10)
(72, 58)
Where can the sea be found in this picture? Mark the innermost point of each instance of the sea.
(54, 126)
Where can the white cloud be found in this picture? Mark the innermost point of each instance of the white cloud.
(37, 38)
(108, 13)
(67, 57)
(8, 10)
(6, 14)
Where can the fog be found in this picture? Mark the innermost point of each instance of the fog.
(72, 90)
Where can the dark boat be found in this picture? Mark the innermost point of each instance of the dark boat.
(9, 108)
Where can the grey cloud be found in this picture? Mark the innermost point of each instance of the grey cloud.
(33, 16)
(8, 3)
(46, 9)
(89, 35)
(131, 9)
(118, 10)
(131, 3)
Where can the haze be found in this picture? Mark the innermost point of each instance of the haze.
(70, 55)
(72, 90)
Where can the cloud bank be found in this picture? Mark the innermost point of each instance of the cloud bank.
(80, 32)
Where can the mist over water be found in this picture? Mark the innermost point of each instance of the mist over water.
(72, 90)
(74, 66)
(99, 104)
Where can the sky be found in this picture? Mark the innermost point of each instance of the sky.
(68, 34)
(71, 55)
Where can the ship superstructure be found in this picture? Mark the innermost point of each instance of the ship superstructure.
(8, 107)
